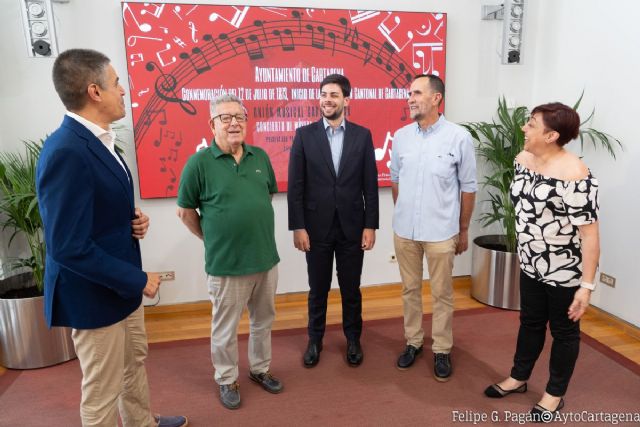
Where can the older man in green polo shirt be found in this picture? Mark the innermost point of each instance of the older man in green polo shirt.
(224, 198)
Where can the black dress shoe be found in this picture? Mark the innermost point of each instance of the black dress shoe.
(354, 353)
(442, 366)
(497, 392)
(267, 381)
(408, 356)
(312, 354)
(544, 415)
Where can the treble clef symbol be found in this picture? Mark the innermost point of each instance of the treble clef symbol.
(165, 88)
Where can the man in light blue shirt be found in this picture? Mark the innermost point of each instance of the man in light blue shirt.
(433, 183)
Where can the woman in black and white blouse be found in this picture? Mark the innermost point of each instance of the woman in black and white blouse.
(556, 202)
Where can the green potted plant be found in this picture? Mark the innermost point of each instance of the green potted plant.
(495, 267)
(25, 340)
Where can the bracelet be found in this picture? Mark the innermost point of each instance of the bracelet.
(587, 285)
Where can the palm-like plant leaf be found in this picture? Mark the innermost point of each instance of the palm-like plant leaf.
(19, 205)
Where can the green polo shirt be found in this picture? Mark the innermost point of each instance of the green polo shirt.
(236, 215)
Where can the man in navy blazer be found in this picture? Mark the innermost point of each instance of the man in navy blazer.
(93, 277)
(333, 210)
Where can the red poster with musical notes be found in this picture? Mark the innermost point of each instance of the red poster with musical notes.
(180, 56)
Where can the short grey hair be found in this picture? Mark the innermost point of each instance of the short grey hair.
(73, 71)
(221, 99)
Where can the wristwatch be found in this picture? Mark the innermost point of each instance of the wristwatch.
(587, 285)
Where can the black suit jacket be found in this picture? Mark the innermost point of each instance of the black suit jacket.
(316, 192)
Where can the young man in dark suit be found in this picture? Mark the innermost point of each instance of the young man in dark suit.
(93, 277)
(333, 211)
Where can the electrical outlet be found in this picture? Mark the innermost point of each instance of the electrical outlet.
(167, 275)
(392, 257)
(608, 280)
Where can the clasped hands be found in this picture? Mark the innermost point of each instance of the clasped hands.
(302, 242)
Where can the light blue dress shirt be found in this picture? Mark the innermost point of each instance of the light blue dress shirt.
(431, 167)
(336, 140)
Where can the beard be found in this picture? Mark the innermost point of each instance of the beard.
(335, 115)
(416, 115)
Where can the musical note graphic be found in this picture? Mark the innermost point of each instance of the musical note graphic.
(237, 18)
(159, 53)
(144, 27)
(440, 27)
(131, 40)
(153, 114)
(157, 12)
(177, 40)
(275, 10)
(386, 32)
(225, 38)
(386, 50)
(419, 57)
(253, 47)
(289, 45)
(332, 36)
(200, 63)
(165, 88)
(362, 15)
(136, 57)
(316, 41)
(401, 71)
(426, 30)
(202, 146)
(194, 30)
(176, 10)
(158, 141)
(380, 152)
(296, 15)
(349, 33)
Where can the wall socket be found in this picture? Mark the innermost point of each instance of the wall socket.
(167, 275)
(608, 280)
(392, 257)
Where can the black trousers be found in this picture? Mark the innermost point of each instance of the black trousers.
(541, 303)
(349, 256)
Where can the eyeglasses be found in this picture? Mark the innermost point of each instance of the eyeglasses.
(227, 118)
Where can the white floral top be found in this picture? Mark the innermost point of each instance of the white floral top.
(548, 213)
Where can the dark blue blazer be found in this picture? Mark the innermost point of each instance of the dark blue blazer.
(93, 275)
(316, 191)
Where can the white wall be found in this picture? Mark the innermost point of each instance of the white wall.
(29, 108)
(593, 45)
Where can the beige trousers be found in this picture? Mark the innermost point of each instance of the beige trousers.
(229, 296)
(114, 378)
(439, 256)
